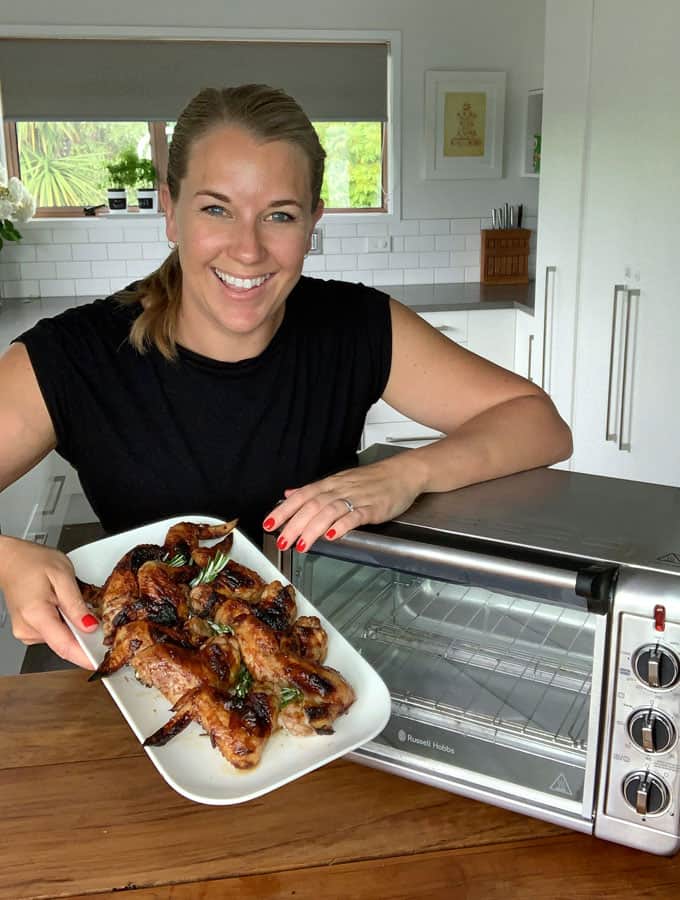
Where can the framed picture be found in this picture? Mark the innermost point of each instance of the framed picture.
(464, 114)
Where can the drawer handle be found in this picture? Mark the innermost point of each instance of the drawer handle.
(416, 437)
(58, 482)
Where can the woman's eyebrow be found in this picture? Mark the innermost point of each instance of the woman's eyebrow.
(225, 199)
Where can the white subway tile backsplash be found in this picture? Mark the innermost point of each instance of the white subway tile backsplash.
(403, 260)
(372, 229)
(421, 244)
(403, 228)
(88, 286)
(105, 233)
(57, 287)
(74, 270)
(330, 276)
(449, 242)
(465, 226)
(90, 251)
(107, 269)
(435, 226)
(125, 251)
(465, 258)
(38, 270)
(24, 288)
(449, 276)
(18, 252)
(52, 252)
(105, 255)
(435, 260)
(418, 276)
(388, 276)
(338, 231)
(354, 245)
(69, 235)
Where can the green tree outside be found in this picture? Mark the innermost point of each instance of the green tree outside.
(64, 163)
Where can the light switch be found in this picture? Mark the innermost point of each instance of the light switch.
(379, 244)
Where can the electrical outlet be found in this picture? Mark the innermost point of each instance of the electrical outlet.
(316, 243)
(379, 244)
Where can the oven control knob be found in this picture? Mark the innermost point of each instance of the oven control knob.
(656, 666)
(652, 730)
(647, 794)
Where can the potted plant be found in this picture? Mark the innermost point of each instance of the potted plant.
(147, 195)
(123, 174)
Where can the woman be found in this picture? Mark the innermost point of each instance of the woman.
(225, 382)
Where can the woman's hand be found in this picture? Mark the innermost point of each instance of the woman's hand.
(38, 584)
(334, 505)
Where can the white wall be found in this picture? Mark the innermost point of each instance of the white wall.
(504, 35)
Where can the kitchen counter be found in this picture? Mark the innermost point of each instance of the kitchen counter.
(84, 814)
(444, 297)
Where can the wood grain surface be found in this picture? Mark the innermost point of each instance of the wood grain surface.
(84, 814)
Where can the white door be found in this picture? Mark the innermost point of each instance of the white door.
(628, 361)
(565, 110)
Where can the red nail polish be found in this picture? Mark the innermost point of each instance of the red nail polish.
(282, 543)
(268, 524)
(301, 546)
(330, 534)
(88, 621)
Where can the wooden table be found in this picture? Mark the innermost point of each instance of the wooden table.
(84, 814)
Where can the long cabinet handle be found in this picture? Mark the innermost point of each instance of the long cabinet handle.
(53, 499)
(549, 270)
(625, 445)
(415, 437)
(610, 435)
(529, 360)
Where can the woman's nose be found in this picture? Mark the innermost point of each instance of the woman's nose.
(247, 243)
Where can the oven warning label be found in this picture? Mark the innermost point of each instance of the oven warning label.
(561, 786)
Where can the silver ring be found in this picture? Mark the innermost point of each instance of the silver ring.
(348, 504)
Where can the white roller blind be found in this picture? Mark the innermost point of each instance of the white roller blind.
(85, 80)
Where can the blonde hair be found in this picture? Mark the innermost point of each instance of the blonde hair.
(269, 114)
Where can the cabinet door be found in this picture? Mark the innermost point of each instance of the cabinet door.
(525, 347)
(565, 107)
(627, 364)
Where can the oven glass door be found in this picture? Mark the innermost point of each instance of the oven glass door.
(492, 684)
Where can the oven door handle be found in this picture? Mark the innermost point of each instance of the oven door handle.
(583, 587)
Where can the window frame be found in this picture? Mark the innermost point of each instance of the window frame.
(159, 157)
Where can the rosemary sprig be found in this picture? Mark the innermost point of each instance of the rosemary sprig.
(179, 559)
(289, 695)
(220, 629)
(212, 570)
(244, 682)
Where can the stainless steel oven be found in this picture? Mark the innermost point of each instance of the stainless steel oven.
(529, 632)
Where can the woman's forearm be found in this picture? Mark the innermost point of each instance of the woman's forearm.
(513, 436)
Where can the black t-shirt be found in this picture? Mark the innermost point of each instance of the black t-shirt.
(152, 438)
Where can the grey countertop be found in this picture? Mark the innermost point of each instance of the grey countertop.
(16, 315)
(443, 297)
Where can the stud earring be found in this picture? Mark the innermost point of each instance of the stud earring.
(173, 245)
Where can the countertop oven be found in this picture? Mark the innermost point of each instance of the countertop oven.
(529, 632)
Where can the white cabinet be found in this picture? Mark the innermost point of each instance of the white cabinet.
(627, 370)
(489, 333)
(526, 363)
(608, 232)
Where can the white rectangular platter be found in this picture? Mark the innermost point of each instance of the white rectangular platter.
(188, 762)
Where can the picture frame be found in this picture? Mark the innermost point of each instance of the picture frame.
(464, 116)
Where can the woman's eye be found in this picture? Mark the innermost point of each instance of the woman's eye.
(280, 216)
(213, 210)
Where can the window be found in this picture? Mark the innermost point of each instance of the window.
(63, 164)
(59, 146)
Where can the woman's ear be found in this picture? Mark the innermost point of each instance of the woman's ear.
(169, 209)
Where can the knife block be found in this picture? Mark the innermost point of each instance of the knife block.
(505, 256)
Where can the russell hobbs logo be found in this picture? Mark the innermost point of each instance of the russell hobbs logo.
(408, 738)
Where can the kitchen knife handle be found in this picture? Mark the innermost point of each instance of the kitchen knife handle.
(549, 270)
(612, 435)
(625, 445)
